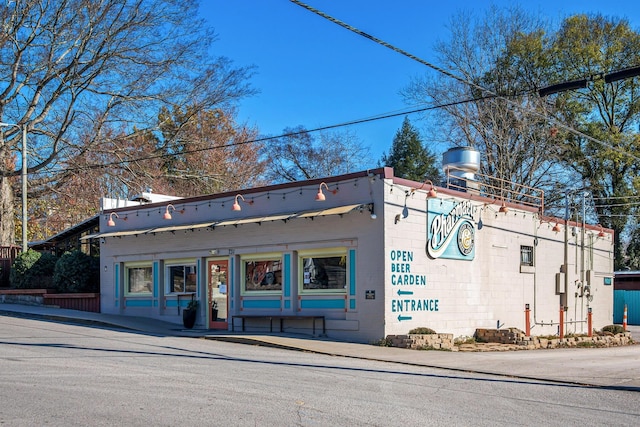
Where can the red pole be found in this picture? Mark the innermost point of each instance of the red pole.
(527, 321)
(561, 322)
(590, 323)
(624, 318)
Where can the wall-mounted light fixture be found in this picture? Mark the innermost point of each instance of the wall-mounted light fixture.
(601, 233)
(111, 222)
(503, 208)
(405, 209)
(432, 191)
(236, 205)
(373, 214)
(320, 197)
(556, 228)
(167, 214)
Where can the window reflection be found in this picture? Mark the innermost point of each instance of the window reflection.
(263, 275)
(329, 272)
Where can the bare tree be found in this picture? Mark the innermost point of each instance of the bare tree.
(303, 155)
(74, 70)
(515, 145)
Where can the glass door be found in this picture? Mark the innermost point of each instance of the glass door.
(217, 291)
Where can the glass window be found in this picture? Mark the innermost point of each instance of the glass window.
(139, 279)
(181, 278)
(324, 271)
(526, 255)
(262, 274)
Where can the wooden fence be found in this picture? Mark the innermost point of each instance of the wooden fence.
(7, 255)
(81, 301)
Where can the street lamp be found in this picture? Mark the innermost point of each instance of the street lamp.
(24, 182)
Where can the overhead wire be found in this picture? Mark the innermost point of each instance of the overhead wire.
(460, 79)
(274, 137)
(488, 94)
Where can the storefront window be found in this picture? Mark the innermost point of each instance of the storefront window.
(181, 278)
(139, 279)
(324, 272)
(262, 274)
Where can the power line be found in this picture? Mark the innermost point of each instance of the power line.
(459, 79)
(274, 137)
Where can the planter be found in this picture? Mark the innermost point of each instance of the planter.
(189, 317)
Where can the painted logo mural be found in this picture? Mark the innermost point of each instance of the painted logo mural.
(450, 229)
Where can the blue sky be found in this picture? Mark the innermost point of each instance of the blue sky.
(314, 73)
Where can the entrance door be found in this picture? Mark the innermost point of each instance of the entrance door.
(218, 291)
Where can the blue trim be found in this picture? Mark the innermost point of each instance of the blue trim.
(231, 283)
(198, 274)
(156, 278)
(116, 271)
(261, 303)
(352, 272)
(287, 304)
(287, 275)
(172, 301)
(137, 303)
(323, 303)
(352, 304)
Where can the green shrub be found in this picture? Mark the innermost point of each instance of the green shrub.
(77, 272)
(422, 331)
(33, 270)
(614, 329)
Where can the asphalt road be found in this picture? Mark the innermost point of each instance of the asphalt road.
(58, 374)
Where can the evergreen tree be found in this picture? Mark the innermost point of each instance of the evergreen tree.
(409, 158)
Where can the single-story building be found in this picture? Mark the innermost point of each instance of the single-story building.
(359, 256)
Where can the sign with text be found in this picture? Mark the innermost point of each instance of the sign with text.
(451, 229)
(408, 285)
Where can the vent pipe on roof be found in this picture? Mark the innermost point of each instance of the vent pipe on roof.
(460, 165)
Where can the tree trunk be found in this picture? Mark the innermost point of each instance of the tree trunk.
(7, 213)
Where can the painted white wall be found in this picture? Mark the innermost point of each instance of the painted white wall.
(491, 289)
(355, 230)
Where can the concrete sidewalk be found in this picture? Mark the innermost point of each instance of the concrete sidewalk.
(614, 367)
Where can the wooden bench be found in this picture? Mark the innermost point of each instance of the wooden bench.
(281, 318)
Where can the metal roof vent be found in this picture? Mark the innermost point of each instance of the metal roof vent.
(460, 165)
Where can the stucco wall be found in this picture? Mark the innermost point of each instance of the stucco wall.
(350, 316)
